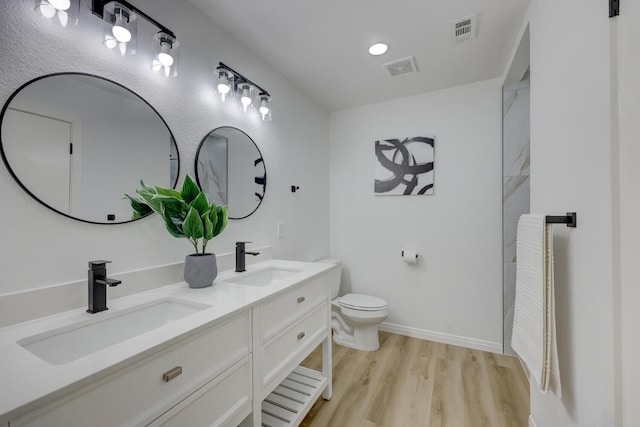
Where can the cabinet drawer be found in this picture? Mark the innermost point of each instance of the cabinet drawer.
(223, 401)
(287, 346)
(138, 394)
(278, 313)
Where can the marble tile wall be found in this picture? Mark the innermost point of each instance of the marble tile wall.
(515, 189)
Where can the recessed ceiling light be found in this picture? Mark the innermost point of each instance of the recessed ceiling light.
(378, 49)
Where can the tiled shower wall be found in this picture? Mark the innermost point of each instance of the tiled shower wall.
(515, 188)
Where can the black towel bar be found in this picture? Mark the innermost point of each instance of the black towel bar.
(571, 219)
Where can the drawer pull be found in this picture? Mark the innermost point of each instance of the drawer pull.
(172, 373)
(301, 335)
(300, 300)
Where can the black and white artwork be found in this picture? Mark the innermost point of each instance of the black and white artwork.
(404, 166)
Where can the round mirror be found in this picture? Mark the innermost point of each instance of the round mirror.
(231, 171)
(77, 143)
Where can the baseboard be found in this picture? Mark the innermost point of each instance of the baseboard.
(458, 340)
(532, 423)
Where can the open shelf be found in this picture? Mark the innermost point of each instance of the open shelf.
(288, 404)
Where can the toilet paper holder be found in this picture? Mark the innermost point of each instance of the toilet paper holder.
(402, 254)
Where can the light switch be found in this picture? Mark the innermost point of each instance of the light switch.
(280, 230)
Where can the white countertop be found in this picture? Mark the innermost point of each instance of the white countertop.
(28, 382)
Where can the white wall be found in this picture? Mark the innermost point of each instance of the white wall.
(629, 210)
(454, 294)
(294, 145)
(571, 170)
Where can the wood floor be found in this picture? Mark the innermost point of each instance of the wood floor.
(410, 382)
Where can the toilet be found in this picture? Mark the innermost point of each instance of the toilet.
(355, 317)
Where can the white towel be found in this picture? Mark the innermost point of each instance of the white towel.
(534, 329)
(552, 368)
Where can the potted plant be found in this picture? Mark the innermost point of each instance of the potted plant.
(187, 214)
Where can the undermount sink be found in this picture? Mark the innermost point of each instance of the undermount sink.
(64, 345)
(264, 277)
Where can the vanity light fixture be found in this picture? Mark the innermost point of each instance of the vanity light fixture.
(64, 12)
(120, 31)
(231, 82)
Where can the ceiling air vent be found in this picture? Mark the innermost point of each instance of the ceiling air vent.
(401, 67)
(465, 28)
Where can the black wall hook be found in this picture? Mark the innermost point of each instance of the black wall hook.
(294, 188)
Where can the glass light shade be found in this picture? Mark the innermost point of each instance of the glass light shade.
(165, 55)
(63, 12)
(225, 83)
(120, 28)
(245, 97)
(264, 106)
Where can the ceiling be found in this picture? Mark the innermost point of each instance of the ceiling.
(321, 46)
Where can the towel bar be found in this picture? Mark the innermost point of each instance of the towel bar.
(571, 219)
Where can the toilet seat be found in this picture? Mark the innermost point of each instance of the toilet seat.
(362, 302)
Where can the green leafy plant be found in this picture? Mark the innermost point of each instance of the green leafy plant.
(186, 213)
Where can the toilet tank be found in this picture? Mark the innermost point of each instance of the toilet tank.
(334, 276)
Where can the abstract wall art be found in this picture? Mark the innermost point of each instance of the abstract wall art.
(404, 166)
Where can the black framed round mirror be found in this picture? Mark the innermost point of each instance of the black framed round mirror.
(78, 142)
(230, 169)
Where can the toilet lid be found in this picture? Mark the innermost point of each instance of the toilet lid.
(362, 302)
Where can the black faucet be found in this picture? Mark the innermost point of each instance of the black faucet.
(98, 282)
(240, 255)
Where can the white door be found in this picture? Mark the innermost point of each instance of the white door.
(38, 151)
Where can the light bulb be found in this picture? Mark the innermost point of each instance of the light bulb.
(60, 4)
(120, 30)
(264, 107)
(63, 18)
(123, 48)
(378, 49)
(165, 59)
(224, 88)
(246, 99)
(110, 42)
(121, 34)
(47, 11)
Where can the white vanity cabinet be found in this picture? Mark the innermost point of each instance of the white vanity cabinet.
(287, 328)
(204, 379)
(234, 363)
